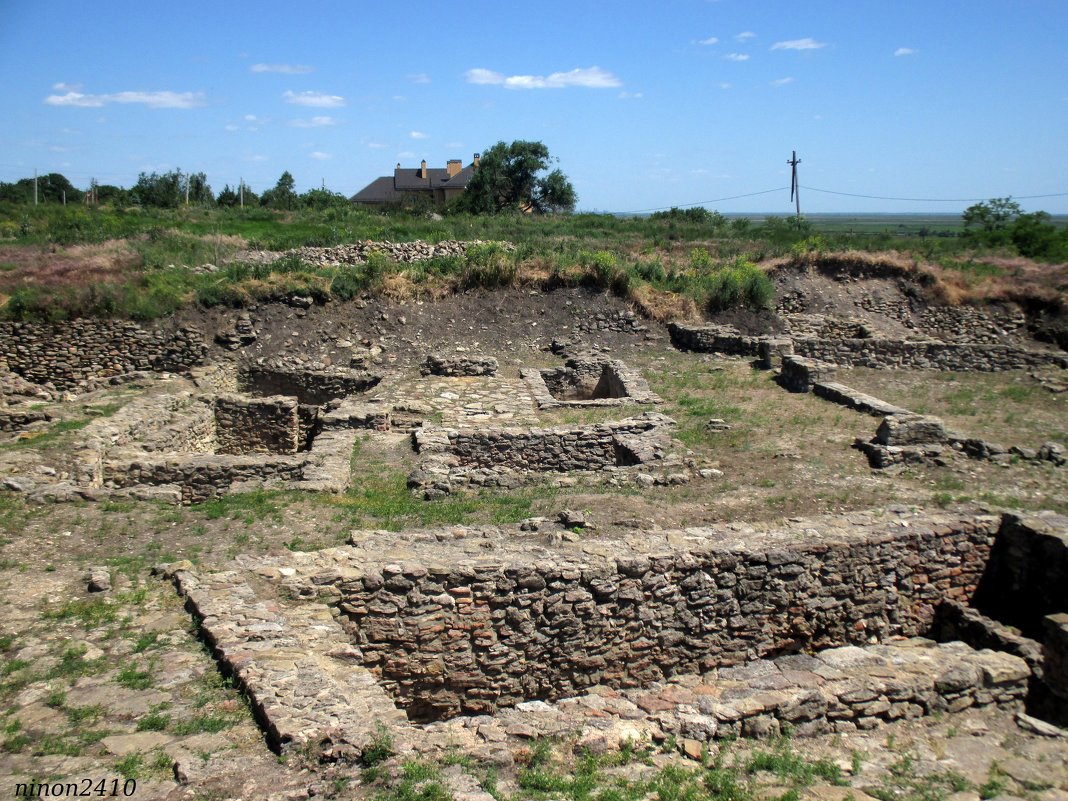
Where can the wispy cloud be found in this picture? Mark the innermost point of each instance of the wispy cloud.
(406, 154)
(318, 154)
(630, 95)
(725, 85)
(231, 127)
(904, 51)
(375, 145)
(737, 56)
(314, 122)
(782, 81)
(711, 40)
(150, 99)
(417, 135)
(799, 44)
(252, 119)
(314, 99)
(419, 77)
(283, 69)
(588, 78)
(745, 36)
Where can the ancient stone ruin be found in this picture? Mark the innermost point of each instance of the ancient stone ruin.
(588, 380)
(793, 625)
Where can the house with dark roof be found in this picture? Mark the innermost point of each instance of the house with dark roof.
(436, 184)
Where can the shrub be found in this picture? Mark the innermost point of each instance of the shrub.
(490, 266)
(742, 284)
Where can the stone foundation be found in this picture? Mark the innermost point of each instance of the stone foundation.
(257, 425)
(499, 456)
(466, 620)
(588, 381)
(83, 354)
(874, 353)
(308, 386)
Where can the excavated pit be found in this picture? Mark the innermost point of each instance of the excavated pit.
(466, 621)
(314, 387)
(588, 381)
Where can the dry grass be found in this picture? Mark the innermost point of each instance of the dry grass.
(964, 280)
(67, 267)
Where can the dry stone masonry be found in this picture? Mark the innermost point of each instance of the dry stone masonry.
(359, 252)
(588, 380)
(83, 354)
(870, 352)
(454, 458)
(701, 633)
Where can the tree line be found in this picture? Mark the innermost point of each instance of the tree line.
(169, 190)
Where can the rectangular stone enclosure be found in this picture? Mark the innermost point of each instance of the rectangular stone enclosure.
(588, 382)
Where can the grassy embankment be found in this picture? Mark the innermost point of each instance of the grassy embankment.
(62, 262)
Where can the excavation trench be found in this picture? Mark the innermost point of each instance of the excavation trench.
(446, 641)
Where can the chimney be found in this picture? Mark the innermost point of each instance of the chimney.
(398, 165)
(453, 166)
(422, 170)
(475, 162)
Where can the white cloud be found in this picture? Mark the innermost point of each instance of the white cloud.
(737, 57)
(231, 127)
(252, 119)
(631, 95)
(314, 99)
(744, 36)
(406, 154)
(283, 69)
(375, 145)
(314, 122)
(256, 157)
(417, 135)
(67, 87)
(711, 40)
(589, 78)
(904, 51)
(782, 81)
(419, 77)
(150, 99)
(799, 44)
(725, 85)
(318, 154)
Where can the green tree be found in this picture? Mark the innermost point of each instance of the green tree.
(283, 195)
(51, 188)
(988, 223)
(517, 177)
(322, 199)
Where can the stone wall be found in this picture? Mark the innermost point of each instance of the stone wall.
(246, 425)
(874, 353)
(82, 352)
(202, 478)
(471, 636)
(588, 380)
(799, 374)
(559, 449)
(1028, 574)
(310, 386)
(909, 355)
(713, 339)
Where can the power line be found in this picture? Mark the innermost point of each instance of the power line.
(705, 202)
(933, 199)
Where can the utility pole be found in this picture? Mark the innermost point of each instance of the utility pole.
(795, 187)
(241, 191)
(35, 186)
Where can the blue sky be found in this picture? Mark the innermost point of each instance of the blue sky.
(645, 104)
